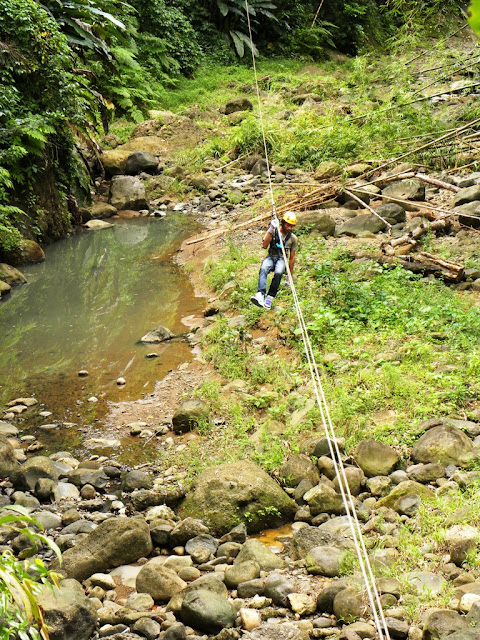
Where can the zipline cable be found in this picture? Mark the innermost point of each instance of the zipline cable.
(347, 498)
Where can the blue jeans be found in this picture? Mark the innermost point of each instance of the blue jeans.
(271, 263)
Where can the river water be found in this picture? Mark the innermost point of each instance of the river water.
(86, 307)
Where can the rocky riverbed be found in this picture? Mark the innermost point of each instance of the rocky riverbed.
(149, 554)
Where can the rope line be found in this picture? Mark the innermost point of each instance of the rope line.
(347, 498)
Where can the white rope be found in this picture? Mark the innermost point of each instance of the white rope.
(348, 501)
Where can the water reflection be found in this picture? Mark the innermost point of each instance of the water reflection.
(87, 306)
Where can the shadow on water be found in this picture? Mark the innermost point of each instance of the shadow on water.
(86, 307)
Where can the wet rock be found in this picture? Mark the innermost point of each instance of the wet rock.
(443, 444)
(115, 542)
(10, 275)
(256, 551)
(68, 612)
(227, 492)
(157, 335)
(159, 582)
(237, 104)
(324, 561)
(141, 162)
(207, 611)
(128, 192)
(27, 252)
(375, 458)
(190, 415)
(297, 468)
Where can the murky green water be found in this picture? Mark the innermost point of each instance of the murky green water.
(86, 307)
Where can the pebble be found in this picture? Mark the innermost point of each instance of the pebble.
(121, 381)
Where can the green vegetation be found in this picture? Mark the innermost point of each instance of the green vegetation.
(21, 580)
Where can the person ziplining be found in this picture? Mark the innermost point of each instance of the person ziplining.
(275, 262)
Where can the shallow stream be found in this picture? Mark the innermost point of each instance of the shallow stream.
(86, 307)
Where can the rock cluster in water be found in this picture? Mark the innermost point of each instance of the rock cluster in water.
(145, 558)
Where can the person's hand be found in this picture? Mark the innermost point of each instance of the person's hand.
(275, 223)
(288, 282)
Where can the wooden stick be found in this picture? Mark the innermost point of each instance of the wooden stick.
(364, 204)
(437, 183)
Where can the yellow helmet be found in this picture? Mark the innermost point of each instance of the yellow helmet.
(289, 217)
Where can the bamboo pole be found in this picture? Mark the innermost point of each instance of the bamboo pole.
(364, 204)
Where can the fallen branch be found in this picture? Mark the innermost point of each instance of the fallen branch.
(366, 206)
(425, 263)
(405, 243)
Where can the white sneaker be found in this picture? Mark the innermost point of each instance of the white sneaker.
(258, 299)
(268, 302)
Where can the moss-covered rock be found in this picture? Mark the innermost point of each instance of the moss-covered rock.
(238, 492)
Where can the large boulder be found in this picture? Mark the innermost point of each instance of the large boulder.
(444, 444)
(27, 252)
(141, 161)
(189, 415)
(68, 612)
(442, 623)
(97, 211)
(10, 275)
(361, 224)
(8, 460)
(327, 170)
(375, 458)
(115, 542)
(128, 192)
(319, 222)
(223, 495)
(207, 611)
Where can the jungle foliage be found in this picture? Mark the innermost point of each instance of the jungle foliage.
(67, 68)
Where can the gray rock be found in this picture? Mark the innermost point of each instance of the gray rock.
(157, 335)
(185, 530)
(444, 444)
(427, 581)
(203, 541)
(426, 473)
(469, 194)
(392, 212)
(9, 430)
(113, 543)
(65, 491)
(256, 551)
(324, 499)
(355, 478)
(48, 520)
(98, 211)
(319, 222)
(308, 537)
(375, 458)
(296, 468)
(324, 561)
(327, 169)
(360, 224)
(147, 628)
(44, 489)
(97, 225)
(443, 623)
(398, 498)
(161, 534)
(241, 572)
(277, 631)
(68, 612)
(190, 415)
(34, 469)
(347, 605)
(136, 479)
(141, 162)
(228, 492)
(252, 588)
(277, 587)
(410, 189)
(237, 534)
(128, 192)
(8, 460)
(159, 582)
(176, 631)
(207, 611)
(397, 628)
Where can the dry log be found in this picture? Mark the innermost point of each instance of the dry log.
(410, 239)
(427, 264)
